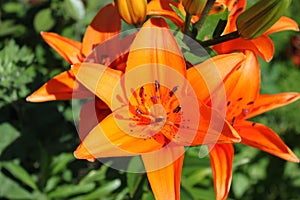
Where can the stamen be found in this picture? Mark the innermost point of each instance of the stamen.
(138, 111)
(177, 109)
(171, 93)
(141, 92)
(232, 121)
(157, 86)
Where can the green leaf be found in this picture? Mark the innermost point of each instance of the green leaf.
(60, 162)
(52, 182)
(75, 8)
(12, 190)
(20, 173)
(240, 183)
(134, 179)
(43, 20)
(94, 175)
(101, 192)
(64, 191)
(8, 135)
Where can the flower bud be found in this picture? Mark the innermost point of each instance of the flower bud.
(132, 11)
(194, 7)
(260, 17)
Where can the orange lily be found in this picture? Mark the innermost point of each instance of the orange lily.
(241, 106)
(63, 86)
(154, 107)
(263, 45)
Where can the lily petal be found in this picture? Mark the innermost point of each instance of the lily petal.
(283, 24)
(263, 46)
(61, 87)
(108, 140)
(165, 179)
(68, 49)
(91, 114)
(221, 158)
(99, 79)
(105, 25)
(269, 102)
(155, 45)
(241, 94)
(263, 138)
(206, 77)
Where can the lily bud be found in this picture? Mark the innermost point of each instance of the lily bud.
(260, 17)
(194, 7)
(132, 11)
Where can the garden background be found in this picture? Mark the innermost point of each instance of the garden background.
(37, 140)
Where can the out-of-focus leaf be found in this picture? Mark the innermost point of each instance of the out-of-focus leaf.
(101, 192)
(64, 191)
(94, 175)
(8, 27)
(184, 194)
(20, 173)
(12, 190)
(43, 20)
(240, 183)
(52, 182)
(8, 134)
(122, 194)
(75, 8)
(134, 179)
(60, 162)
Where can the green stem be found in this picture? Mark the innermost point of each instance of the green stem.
(223, 38)
(209, 5)
(187, 23)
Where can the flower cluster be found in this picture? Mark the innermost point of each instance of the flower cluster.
(147, 97)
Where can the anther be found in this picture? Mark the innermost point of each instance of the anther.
(157, 86)
(141, 92)
(171, 93)
(232, 121)
(177, 109)
(139, 112)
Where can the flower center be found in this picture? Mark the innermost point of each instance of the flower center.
(155, 109)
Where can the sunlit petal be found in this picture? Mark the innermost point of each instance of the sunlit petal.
(221, 158)
(267, 102)
(155, 45)
(165, 179)
(61, 87)
(263, 138)
(68, 49)
(283, 24)
(105, 25)
(99, 79)
(262, 46)
(108, 140)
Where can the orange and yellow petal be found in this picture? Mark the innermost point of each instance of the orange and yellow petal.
(262, 46)
(108, 140)
(265, 139)
(105, 25)
(99, 79)
(267, 102)
(156, 46)
(68, 49)
(221, 159)
(283, 24)
(164, 172)
(241, 94)
(206, 77)
(61, 87)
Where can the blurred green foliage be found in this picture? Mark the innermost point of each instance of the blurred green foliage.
(37, 140)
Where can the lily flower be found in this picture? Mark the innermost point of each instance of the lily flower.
(63, 86)
(156, 110)
(241, 106)
(263, 45)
